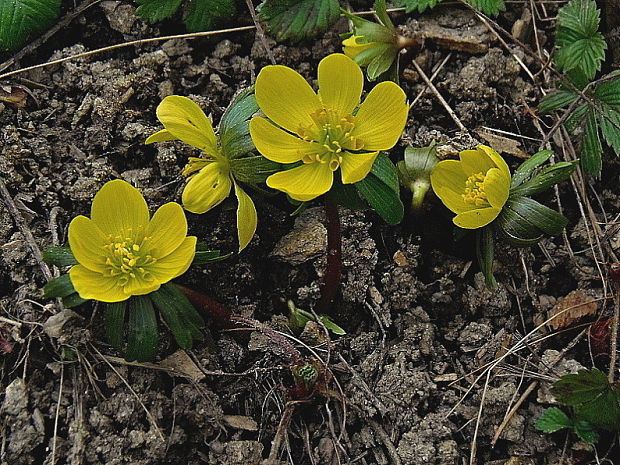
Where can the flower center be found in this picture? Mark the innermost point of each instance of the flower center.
(332, 134)
(474, 190)
(127, 256)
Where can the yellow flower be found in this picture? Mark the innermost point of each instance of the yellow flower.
(210, 177)
(323, 130)
(475, 188)
(352, 47)
(121, 252)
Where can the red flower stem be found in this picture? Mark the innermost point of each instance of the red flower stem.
(333, 272)
(210, 307)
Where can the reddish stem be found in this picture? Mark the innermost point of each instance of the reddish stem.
(333, 272)
(209, 306)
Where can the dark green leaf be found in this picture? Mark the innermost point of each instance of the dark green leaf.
(114, 320)
(543, 218)
(347, 196)
(526, 169)
(609, 122)
(188, 311)
(576, 117)
(382, 198)
(19, 19)
(489, 7)
(58, 287)
(602, 411)
(592, 150)
(585, 431)
(203, 15)
(169, 307)
(253, 170)
(485, 250)
(157, 10)
(142, 335)
(382, 62)
(515, 231)
(609, 91)
(552, 420)
(385, 170)
(581, 387)
(556, 100)
(59, 256)
(203, 257)
(73, 300)
(544, 180)
(298, 19)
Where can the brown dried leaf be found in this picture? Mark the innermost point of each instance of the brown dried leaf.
(571, 308)
(502, 144)
(181, 364)
(13, 95)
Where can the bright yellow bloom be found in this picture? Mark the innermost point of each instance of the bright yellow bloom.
(121, 252)
(475, 188)
(210, 177)
(352, 47)
(323, 130)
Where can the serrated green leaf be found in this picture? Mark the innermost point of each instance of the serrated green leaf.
(419, 5)
(552, 420)
(114, 321)
(142, 335)
(581, 46)
(58, 287)
(556, 100)
(203, 15)
(157, 10)
(609, 122)
(581, 387)
(526, 169)
(603, 411)
(59, 256)
(585, 431)
(19, 19)
(489, 7)
(576, 117)
(609, 91)
(298, 19)
(592, 150)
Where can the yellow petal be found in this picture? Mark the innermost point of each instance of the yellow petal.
(382, 117)
(340, 83)
(86, 242)
(351, 48)
(476, 218)
(497, 187)
(285, 97)
(247, 219)
(356, 166)
(91, 285)
(160, 136)
(185, 120)
(140, 286)
(167, 229)
(277, 145)
(475, 161)
(119, 209)
(176, 263)
(305, 182)
(496, 158)
(206, 189)
(448, 181)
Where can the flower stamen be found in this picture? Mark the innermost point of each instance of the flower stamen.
(474, 190)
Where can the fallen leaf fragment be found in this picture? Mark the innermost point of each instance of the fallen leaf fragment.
(181, 363)
(575, 306)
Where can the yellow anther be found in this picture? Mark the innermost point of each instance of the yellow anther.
(474, 190)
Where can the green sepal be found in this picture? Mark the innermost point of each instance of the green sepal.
(114, 321)
(485, 252)
(142, 334)
(58, 287)
(381, 190)
(73, 300)
(547, 178)
(526, 169)
(414, 172)
(59, 256)
(180, 315)
(369, 30)
(253, 170)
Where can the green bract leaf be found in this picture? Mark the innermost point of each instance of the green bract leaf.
(544, 180)
(204, 255)
(581, 45)
(203, 15)
(552, 420)
(346, 195)
(298, 19)
(59, 256)
(253, 170)
(485, 251)
(156, 10)
(142, 336)
(21, 18)
(414, 172)
(114, 320)
(533, 213)
(240, 109)
(382, 198)
(526, 169)
(591, 149)
(58, 287)
(73, 300)
(556, 100)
